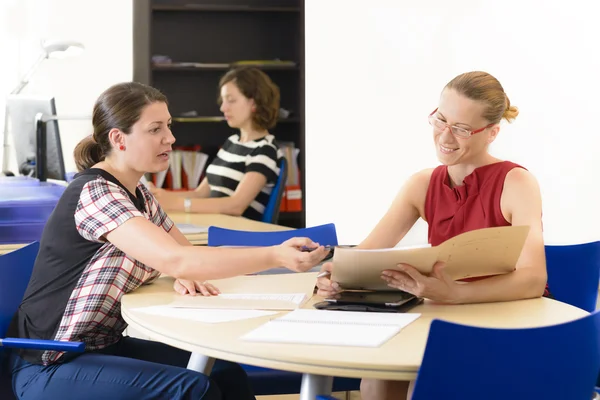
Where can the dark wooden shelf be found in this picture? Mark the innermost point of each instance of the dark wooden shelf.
(250, 33)
(289, 215)
(224, 67)
(222, 8)
(222, 119)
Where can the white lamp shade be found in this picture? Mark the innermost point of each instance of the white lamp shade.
(62, 48)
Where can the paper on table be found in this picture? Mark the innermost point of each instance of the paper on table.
(333, 328)
(296, 298)
(299, 282)
(256, 292)
(251, 301)
(190, 229)
(203, 315)
(481, 252)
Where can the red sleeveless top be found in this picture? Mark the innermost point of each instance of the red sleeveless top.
(474, 205)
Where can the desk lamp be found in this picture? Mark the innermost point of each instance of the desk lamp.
(50, 49)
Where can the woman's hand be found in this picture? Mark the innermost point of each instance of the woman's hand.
(300, 254)
(183, 286)
(327, 288)
(438, 286)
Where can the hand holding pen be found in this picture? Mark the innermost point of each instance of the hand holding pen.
(309, 249)
(326, 287)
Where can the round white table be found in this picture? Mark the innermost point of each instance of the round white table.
(397, 359)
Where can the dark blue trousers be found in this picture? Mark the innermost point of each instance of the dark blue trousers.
(130, 369)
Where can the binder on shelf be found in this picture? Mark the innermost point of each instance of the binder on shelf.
(187, 166)
(292, 198)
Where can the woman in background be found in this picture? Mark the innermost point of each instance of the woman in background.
(240, 179)
(470, 190)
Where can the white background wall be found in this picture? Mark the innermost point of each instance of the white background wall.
(374, 71)
(104, 27)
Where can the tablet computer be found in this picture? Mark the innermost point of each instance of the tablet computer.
(390, 302)
(379, 298)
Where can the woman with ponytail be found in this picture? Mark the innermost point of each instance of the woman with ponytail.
(108, 236)
(470, 190)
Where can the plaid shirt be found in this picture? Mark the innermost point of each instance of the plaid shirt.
(93, 311)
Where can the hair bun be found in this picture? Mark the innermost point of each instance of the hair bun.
(510, 113)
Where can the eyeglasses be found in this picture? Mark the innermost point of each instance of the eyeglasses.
(456, 131)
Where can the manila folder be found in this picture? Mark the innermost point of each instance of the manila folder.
(481, 252)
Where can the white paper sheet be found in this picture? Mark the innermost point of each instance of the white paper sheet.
(296, 298)
(203, 314)
(332, 328)
(190, 229)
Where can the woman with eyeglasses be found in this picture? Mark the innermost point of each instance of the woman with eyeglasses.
(470, 190)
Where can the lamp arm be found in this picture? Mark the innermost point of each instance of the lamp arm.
(27, 76)
(22, 83)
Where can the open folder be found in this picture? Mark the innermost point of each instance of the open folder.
(481, 252)
(256, 292)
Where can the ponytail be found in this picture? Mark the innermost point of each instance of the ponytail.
(87, 153)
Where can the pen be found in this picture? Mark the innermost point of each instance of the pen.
(305, 248)
(323, 274)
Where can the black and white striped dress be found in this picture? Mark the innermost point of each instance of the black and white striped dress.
(235, 159)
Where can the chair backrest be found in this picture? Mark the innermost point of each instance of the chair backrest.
(553, 363)
(271, 214)
(574, 273)
(15, 272)
(322, 234)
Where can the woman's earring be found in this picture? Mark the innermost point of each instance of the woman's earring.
(121, 147)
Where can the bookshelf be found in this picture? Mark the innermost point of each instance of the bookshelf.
(201, 40)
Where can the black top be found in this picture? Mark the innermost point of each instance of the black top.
(78, 278)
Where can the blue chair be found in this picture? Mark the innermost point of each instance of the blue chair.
(271, 214)
(265, 381)
(15, 272)
(574, 273)
(469, 363)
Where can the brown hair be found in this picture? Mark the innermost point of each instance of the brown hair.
(481, 86)
(119, 106)
(256, 85)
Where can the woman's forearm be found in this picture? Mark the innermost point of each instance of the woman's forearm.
(190, 194)
(523, 283)
(216, 205)
(203, 263)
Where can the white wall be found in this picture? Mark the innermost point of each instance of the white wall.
(104, 27)
(374, 71)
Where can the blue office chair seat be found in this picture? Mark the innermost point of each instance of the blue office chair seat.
(15, 271)
(556, 362)
(266, 381)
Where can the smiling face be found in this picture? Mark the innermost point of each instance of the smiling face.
(457, 110)
(236, 108)
(148, 145)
